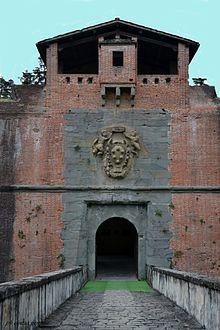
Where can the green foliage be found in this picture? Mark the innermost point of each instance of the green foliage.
(34, 212)
(38, 207)
(77, 147)
(178, 254)
(6, 88)
(171, 206)
(61, 260)
(202, 221)
(36, 77)
(11, 258)
(21, 234)
(28, 219)
(199, 81)
(158, 213)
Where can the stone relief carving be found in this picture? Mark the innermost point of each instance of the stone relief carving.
(118, 146)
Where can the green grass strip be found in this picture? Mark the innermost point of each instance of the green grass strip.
(132, 286)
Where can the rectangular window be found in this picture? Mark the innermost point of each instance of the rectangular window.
(117, 58)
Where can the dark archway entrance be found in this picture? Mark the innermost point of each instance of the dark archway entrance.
(116, 249)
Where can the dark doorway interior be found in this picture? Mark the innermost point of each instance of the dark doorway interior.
(116, 249)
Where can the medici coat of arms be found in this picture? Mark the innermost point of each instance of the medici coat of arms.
(118, 146)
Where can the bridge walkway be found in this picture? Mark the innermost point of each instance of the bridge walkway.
(120, 309)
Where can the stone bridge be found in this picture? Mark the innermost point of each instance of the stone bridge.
(54, 301)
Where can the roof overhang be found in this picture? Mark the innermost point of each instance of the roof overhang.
(127, 28)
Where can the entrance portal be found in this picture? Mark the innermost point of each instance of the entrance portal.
(116, 249)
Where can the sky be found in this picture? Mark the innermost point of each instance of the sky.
(25, 22)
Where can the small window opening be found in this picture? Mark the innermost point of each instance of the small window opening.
(90, 80)
(156, 80)
(145, 81)
(118, 58)
(168, 80)
(68, 80)
(80, 80)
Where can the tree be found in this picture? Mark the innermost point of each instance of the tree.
(36, 77)
(199, 81)
(6, 88)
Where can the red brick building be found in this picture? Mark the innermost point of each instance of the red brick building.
(116, 147)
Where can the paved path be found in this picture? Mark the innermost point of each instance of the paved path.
(121, 310)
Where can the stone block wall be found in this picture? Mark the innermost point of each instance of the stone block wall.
(150, 167)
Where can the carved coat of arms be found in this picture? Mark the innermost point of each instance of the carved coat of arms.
(118, 146)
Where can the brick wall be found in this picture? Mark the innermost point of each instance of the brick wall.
(195, 152)
(31, 154)
(196, 228)
(37, 228)
(194, 161)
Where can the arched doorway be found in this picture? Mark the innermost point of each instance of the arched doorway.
(116, 249)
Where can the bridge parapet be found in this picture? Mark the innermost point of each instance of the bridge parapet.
(27, 302)
(199, 295)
